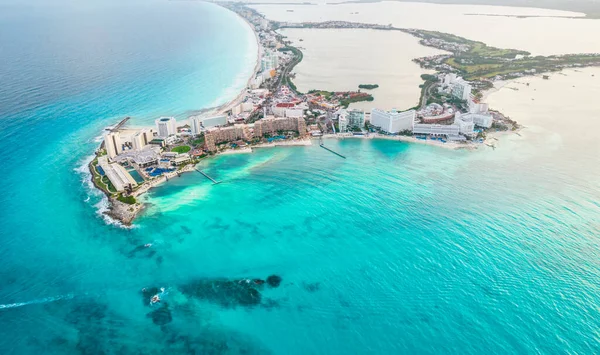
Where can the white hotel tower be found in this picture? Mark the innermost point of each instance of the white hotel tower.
(112, 144)
(393, 121)
(165, 126)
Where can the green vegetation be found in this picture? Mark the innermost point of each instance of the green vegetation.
(109, 186)
(181, 149)
(198, 141)
(429, 77)
(326, 94)
(130, 200)
(286, 80)
(347, 101)
(478, 61)
(368, 86)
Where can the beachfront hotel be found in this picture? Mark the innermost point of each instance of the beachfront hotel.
(437, 129)
(112, 144)
(271, 125)
(118, 176)
(465, 124)
(484, 120)
(350, 119)
(393, 121)
(461, 89)
(141, 139)
(197, 124)
(166, 126)
(225, 134)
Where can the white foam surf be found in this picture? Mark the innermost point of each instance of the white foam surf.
(38, 301)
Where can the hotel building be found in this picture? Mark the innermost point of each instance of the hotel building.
(198, 123)
(117, 175)
(112, 144)
(224, 134)
(166, 126)
(461, 89)
(465, 124)
(393, 121)
(484, 120)
(272, 125)
(437, 129)
(141, 139)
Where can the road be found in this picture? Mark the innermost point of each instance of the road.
(426, 94)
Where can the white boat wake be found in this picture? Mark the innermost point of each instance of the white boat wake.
(38, 301)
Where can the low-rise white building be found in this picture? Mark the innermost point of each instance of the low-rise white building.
(117, 174)
(478, 107)
(436, 129)
(214, 121)
(484, 120)
(294, 112)
(393, 121)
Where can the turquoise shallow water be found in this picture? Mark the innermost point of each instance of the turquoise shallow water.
(398, 249)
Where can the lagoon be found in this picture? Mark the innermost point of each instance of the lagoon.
(538, 35)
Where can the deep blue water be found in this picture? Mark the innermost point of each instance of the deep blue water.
(398, 249)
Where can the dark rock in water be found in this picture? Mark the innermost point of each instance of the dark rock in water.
(274, 280)
(270, 303)
(161, 316)
(228, 293)
(136, 250)
(312, 287)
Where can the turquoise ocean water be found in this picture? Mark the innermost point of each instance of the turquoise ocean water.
(398, 249)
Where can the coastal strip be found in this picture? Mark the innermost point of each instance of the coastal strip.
(270, 112)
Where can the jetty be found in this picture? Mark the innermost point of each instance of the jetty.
(207, 176)
(334, 152)
(120, 124)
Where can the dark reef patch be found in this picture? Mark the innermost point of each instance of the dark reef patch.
(227, 293)
(161, 315)
(312, 287)
(274, 280)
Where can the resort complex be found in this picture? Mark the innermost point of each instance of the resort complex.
(270, 111)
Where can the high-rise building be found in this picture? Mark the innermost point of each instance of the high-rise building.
(214, 121)
(198, 124)
(225, 134)
(195, 125)
(461, 89)
(166, 126)
(465, 124)
(272, 125)
(356, 118)
(393, 121)
(343, 122)
(112, 144)
(269, 61)
(141, 139)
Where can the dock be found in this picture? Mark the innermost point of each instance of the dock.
(208, 177)
(334, 152)
(120, 124)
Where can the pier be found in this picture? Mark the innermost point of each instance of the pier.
(120, 124)
(334, 152)
(208, 177)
